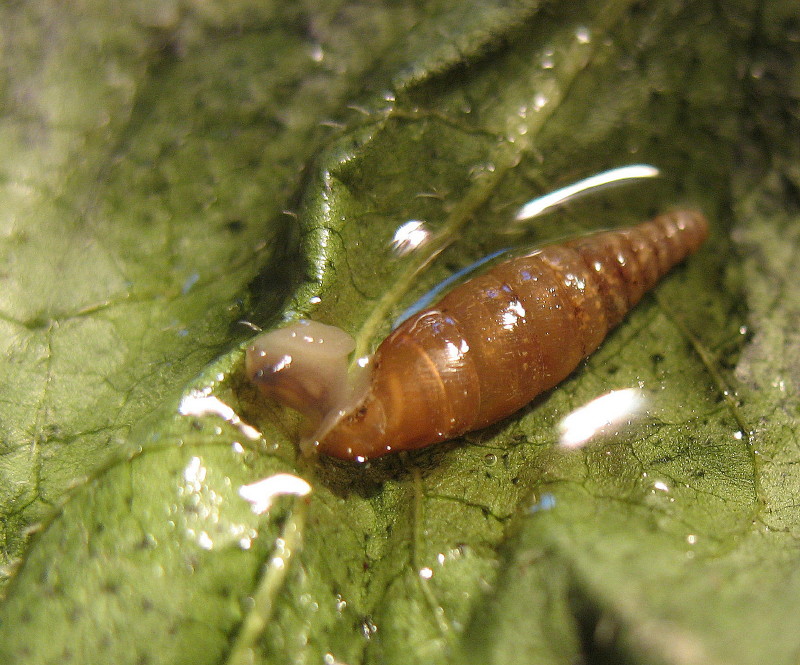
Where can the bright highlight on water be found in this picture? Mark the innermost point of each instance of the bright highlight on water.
(601, 416)
(261, 494)
(619, 175)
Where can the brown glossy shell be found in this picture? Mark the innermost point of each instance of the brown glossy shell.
(498, 340)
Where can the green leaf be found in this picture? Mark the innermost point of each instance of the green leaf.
(169, 171)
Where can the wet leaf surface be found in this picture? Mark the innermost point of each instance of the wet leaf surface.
(170, 171)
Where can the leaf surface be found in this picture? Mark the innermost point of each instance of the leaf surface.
(146, 195)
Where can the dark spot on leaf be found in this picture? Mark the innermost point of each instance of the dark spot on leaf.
(191, 509)
(51, 431)
(664, 460)
(235, 226)
(41, 322)
(51, 590)
(657, 358)
(255, 161)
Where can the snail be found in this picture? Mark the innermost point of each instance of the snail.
(484, 351)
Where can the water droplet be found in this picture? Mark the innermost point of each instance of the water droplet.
(317, 53)
(368, 627)
(490, 459)
(546, 502)
(204, 540)
(410, 236)
(189, 283)
(779, 383)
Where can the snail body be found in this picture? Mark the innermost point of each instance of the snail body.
(488, 347)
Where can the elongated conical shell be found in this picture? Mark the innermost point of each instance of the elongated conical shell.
(498, 340)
